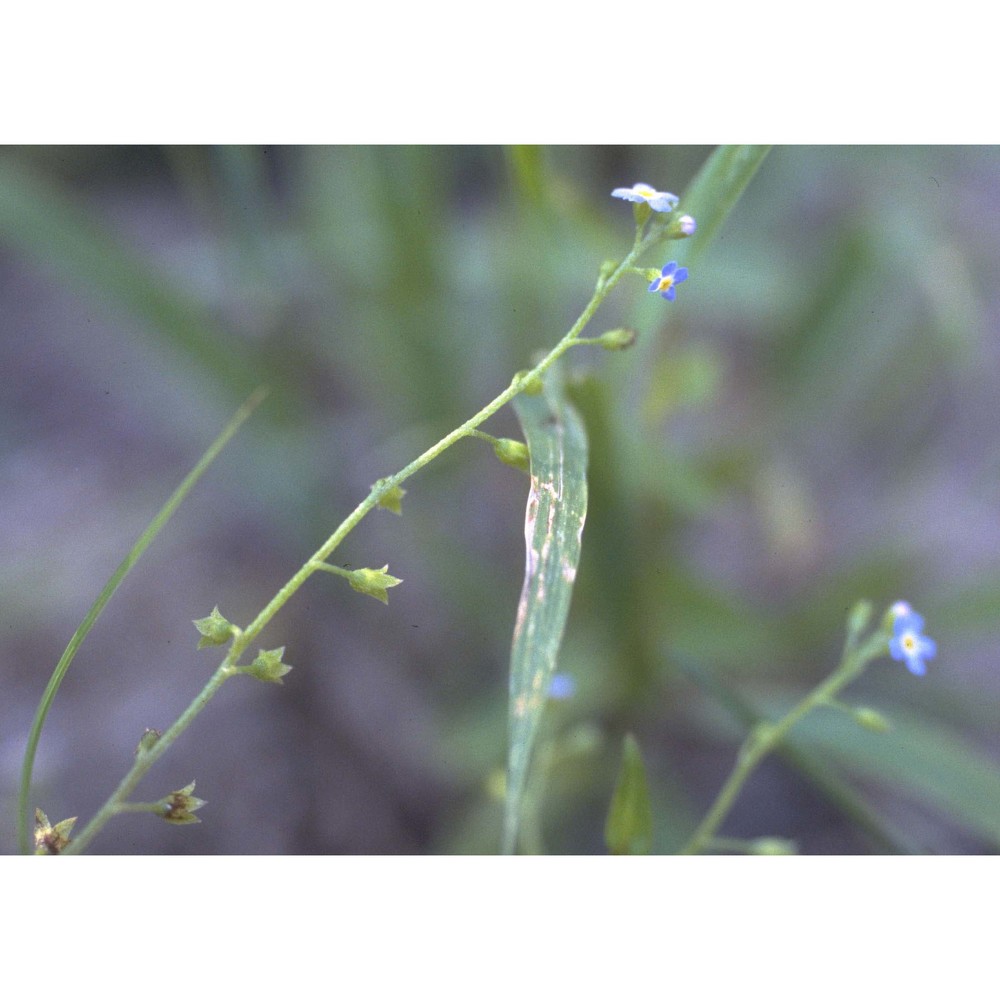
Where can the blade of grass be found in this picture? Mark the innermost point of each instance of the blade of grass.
(714, 192)
(40, 219)
(928, 761)
(155, 526)
(815, 769)
(553, 528)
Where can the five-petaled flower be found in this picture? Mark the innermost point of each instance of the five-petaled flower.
(908, 642)
(659, 201)
(670, 276)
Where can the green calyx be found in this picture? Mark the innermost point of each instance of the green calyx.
(215, 629)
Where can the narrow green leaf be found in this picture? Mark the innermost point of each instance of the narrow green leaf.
(815, 767)
(155, 526)
(714, 192)
(710, 197)
(38, 218)
(553, 527)
(527, 166)
(629, 828)
(927, 761)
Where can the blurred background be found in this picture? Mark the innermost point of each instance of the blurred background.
(813, 421)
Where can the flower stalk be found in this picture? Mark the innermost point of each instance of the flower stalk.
(766, 736)
(387, 488)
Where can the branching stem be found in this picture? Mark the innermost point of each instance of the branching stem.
(118, 799)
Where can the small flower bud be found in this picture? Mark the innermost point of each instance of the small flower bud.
(617, 340)
(179, 807)
(898, 610)
(772, 846)
(870, 719)
(512, 453)
(391, 499)
(51, 839)
(682, 228)
(147, 741)
(608, 268)
(858, 619)
(215, 630)
(374, 582)
(267, 666)
(530, 385)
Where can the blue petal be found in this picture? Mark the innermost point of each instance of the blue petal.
(669, 294)
(654, 286)
(668, 269)
(896, 649)
(681, 275)
(664, 202)
(910, 622)
(928, 647)
(916, 665)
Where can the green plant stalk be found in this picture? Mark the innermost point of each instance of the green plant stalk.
(766, 736)
(155, 526)
(228, 667)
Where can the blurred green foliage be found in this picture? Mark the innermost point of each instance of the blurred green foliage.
(811, 422)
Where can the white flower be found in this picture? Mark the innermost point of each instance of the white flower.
(659, 201)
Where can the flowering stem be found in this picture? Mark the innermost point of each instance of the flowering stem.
(118, 800)
(137, 807)
(766, 736)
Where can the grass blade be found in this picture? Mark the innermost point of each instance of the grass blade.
(553, 527)
(714, 192)
(38, 218)
(931, 763)
(155, 526)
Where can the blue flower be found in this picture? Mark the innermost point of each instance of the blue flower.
(907, 642)
(561, 687)
(670, 276)
(659, 201)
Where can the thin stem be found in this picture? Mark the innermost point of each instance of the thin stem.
(766, 736)
(333, 568)
(146, 760)
(139, 807)
(228, 666)
(155, 526)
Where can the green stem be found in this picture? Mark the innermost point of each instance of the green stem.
(139, 807)
(765, 737)
(117, 802)
(333, 568)
(155, 526)
(228, 666)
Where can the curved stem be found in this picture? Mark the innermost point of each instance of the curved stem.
(228, 667)
(765, 737)
(155, 526)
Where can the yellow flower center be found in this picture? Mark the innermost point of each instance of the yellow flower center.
(909, 642)
(665, 283)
